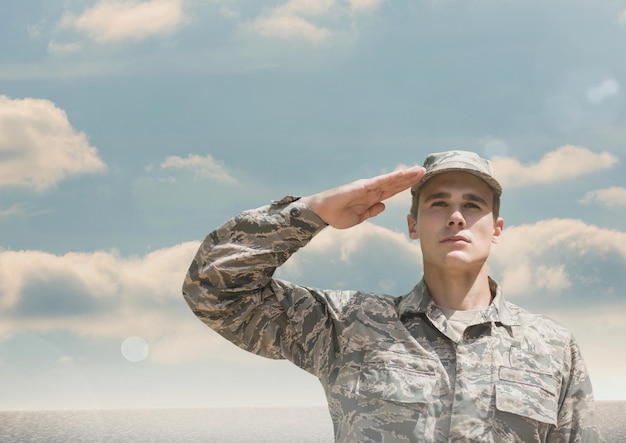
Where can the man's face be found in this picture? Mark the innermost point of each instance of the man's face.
(455, 223)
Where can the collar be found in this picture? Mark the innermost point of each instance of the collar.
(419, 301)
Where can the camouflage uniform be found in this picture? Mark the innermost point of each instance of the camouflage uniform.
(392, 369)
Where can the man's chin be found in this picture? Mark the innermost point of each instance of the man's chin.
(459, 258)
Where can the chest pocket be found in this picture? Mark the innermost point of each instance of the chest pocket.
(397, 377)
(528, 389)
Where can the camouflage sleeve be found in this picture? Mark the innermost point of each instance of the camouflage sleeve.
(229, 284)
(576, 421)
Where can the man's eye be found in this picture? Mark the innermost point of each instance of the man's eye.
(439, 203)
(472, 205)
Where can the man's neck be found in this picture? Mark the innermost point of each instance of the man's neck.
(463, 291)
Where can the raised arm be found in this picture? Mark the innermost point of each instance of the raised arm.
(230, 284)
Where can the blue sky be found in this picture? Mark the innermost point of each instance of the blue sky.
(130, 129)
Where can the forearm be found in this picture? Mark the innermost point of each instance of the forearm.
(241, 255)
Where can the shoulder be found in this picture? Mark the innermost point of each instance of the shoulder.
(543, 343)
(541, 327)
(343, 302)
(351, 301)
(350, 304)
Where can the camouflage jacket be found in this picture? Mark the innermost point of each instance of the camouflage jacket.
(391, 368)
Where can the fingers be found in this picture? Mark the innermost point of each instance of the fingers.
(403, 178)
(390, 184)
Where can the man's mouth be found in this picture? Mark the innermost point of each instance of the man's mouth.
(455, 239)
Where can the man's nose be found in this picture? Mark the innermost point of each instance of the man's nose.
(456, 218)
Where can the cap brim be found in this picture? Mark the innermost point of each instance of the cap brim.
(491, 182)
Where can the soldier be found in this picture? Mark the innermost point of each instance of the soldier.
(452, 360)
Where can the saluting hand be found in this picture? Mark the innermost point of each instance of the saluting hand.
(348, 205)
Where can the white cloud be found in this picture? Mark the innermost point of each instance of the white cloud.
(555, 255)
(364, 5)
(566, 163)
(622, 17)
(305, 7)
(112, 21)
(288, 27)
(229, 13)
(34, 31)
(552, 278)
(16, 209)
(603, 90)
(400, 202)
(102, 295)
(347, 243)
(300, 20)
(39, 147)
(367, 257)
(613, 196)
(64, 48)
(201, 166)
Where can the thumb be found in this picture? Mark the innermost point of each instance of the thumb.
(374, 210)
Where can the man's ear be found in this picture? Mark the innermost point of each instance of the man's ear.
(498, 227)
(412, 227)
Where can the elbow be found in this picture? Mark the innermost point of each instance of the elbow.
(193, 289)
(203, 296)
(190, 292)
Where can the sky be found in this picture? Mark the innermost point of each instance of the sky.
(131, 129)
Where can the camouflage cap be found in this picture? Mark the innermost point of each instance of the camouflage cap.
(464, 161)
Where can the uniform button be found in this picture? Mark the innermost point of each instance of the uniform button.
(295, 212)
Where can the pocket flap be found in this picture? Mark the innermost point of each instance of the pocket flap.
(527, 393)
(402, 378)
(532, 378)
